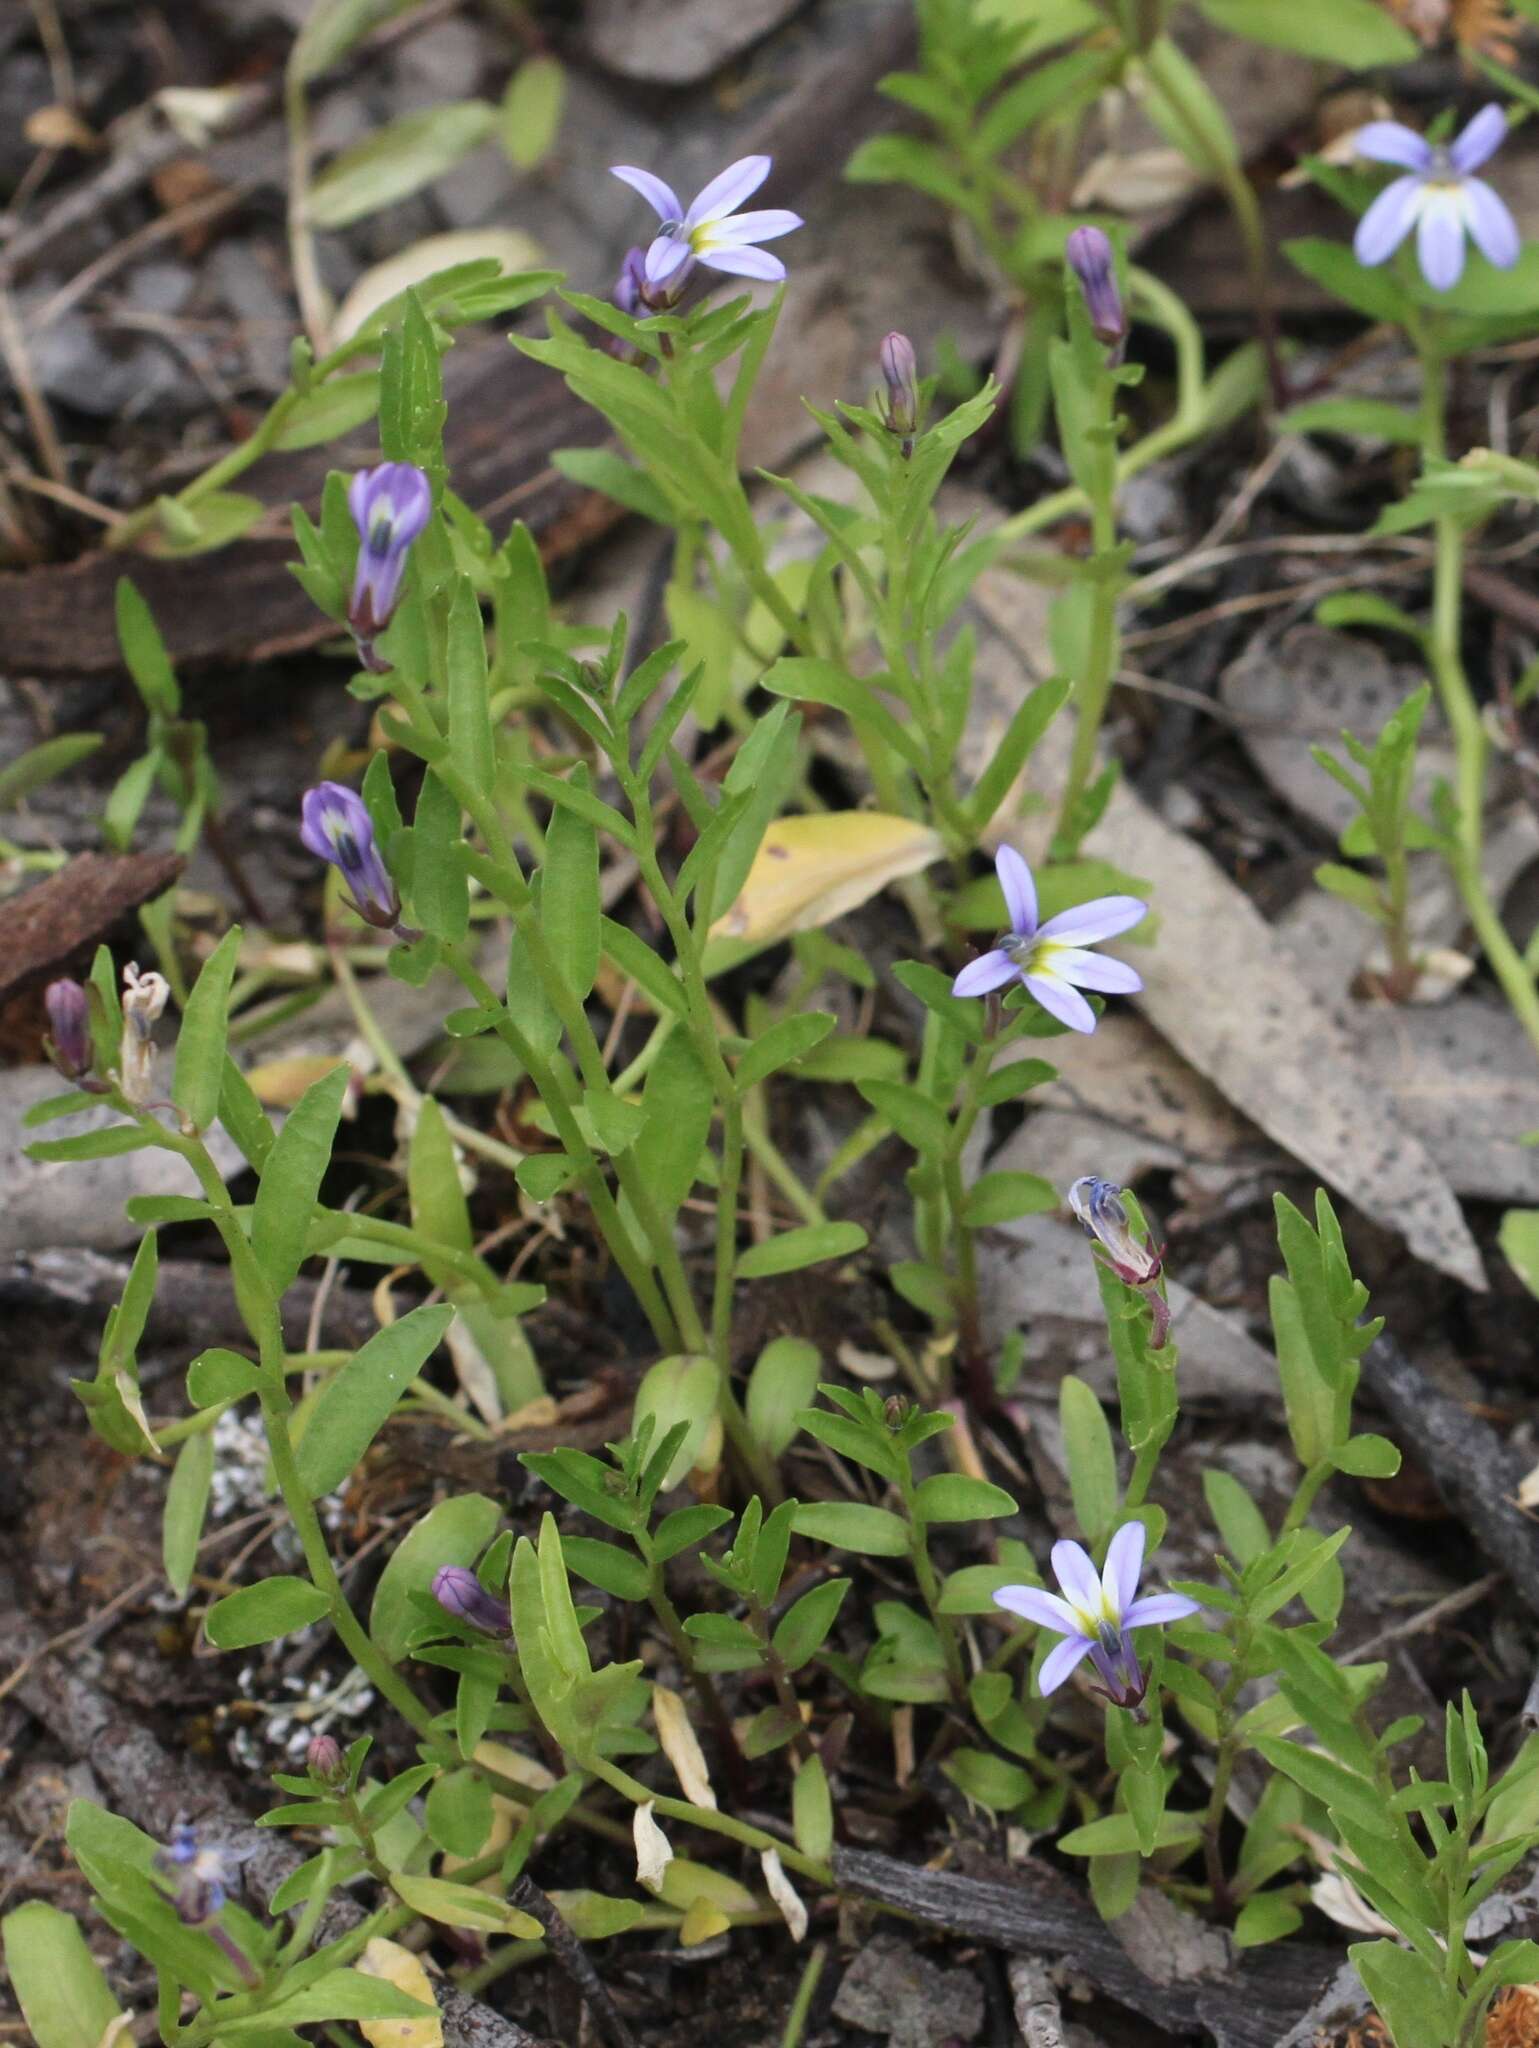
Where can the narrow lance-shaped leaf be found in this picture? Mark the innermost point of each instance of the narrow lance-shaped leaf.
(200, 1042)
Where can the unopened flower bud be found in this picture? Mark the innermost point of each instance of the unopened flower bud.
(1090, 257)
(324, 1760)
(459, 1592)
(895, 1411)
(630, 286)
(144, 999)
(69, 1028)
(390, 506)
(335, 826)
(900, 373)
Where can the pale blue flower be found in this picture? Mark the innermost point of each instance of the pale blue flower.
(390, 506)
(1051, 960)
(335, 826)
(711, 230)
(1096, 1614)
(1439, 197)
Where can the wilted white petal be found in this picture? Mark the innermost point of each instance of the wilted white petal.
(783, 1893)
(653, 1851)
(681, 1746)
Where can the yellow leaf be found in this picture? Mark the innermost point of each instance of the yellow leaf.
(398, 1966)
(280, 1083)
(681, 1746)
(808, 871)
(703, 1922)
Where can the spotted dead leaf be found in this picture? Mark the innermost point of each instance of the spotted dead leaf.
(810, 870)
(398, 1966)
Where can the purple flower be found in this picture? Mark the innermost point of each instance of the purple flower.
(1096, 1613)
(900, 373)
(335, 826)
(1050, 959)
(707, 230)
(390, 506)
(200, 1875)
(1089, 256)
(459, 1592)
(1437, 196)
(69, 1028)
(1098, 1205)
(630, 289)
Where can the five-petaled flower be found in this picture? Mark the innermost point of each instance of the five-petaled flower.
(335, 826)
(1438, 196)
(1096, 1614)
(1051, 959)
(710, 230)
(390, 506)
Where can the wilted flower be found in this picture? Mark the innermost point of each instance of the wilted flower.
(1090, 257)
(144, 999)
(1050, 959)
(710, 230)
(200, 1875)
(1439, 197)
(1098, 1205)
(69, 1028)
(390, 506)
(1096, 1613)
(335, 826)
(459, 1592)
(900, 373)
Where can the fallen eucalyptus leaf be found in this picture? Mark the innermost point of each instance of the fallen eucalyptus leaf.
(810, 870)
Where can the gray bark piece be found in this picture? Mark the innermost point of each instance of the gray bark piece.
(678, 42)
(894, 1990)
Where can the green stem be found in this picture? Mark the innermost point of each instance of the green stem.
(712, 1821)
(801, 2004)
(1101, 656)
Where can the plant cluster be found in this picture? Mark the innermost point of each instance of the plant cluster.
(519, 759)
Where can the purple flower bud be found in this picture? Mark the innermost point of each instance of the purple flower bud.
(630, 286)
(335, 825)
(69, 1027)
(1090, 257)
(390, 506)
(459, 1592)
(324, 1760)
(900, 372)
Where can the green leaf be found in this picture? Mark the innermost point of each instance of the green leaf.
(64, 1998)
(1001, 1197)
(459, 1812)
(456, 1531)
(439, 1211)
(600, 469)
(916, 1119)
(1266, 1916)
(678, 1099)
(793, 1249)
(783, 1381)
(470, 725)
(988, 1780)
(784, 1042)
(1117, 1833)
(355, 1402)
(802, 1629)
(812, 1810)
(291, 1179)
(218, 1376)
(1519, 1240)
(1332, 264)
(397, 160)
(1367, 1457)
(144, 652)
(570, 909)
(1026, 727)
(339, 1995)
(607, 1566)
(330, 409)
(110, 1143)
(954, 1497)
(186, 1504)
(1352, 33)
(1355, 1798)
(685, 1527)
(1238, 1520)
(531, 111)
(200, 1040)
(851, 1525)
(262, 1613)
(40, 764)
(1316, 1556)
(1371, 417)
(1092, 1463)
(1407, 1991)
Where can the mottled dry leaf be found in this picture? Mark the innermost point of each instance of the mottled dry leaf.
(810, 870)
(398, 1966)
